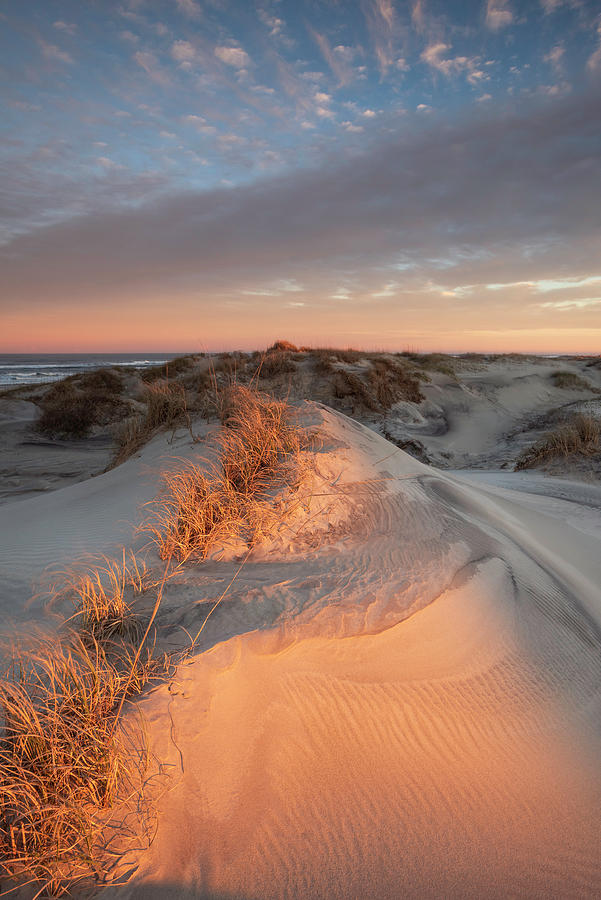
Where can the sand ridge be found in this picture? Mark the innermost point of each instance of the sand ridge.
(417, 715)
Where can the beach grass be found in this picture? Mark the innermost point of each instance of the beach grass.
(578, 436)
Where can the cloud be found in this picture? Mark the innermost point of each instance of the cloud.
(380, 19)
(189, 8)
(148, 61)
(273, 23)
(183, 51)
(555, 58)
(335, 59)
(469, 198)
(550, 6)
(435, 56)
(66, 27)
(498, 14)
(579, 303)
(233, 56)
(54, 53)
(594, 61)
(418, 15)
(107, 163)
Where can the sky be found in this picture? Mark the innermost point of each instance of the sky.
(217, 174)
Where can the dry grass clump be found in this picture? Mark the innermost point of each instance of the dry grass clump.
(105, 381)
(259, 447)
(285, 346)
(594, 363)
(61, 761)
(348, 386)
(166, 407)
(260, 436)
(391, 383)
(570, 382)
(104, 598)
(276, 362)
(581, 436)
(172, 368)
(435, 362)
(71, 407)
(195, 513)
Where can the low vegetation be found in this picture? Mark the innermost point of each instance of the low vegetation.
(435, 362)
(165, 407)
(258, 452)
(170, 369)
(579, 436)
(70, 408)
(569, 381)
(62, 760)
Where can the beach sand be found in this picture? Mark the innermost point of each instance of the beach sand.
(400, 695)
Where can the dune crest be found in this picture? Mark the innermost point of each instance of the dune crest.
(409, 710)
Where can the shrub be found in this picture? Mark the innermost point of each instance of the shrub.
(71, 407)
(103, 381)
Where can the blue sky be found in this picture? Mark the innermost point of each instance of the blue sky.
(414, 170)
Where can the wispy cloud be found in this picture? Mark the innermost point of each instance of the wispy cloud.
(53, 53)
(555, 58)
(594, 61)
(149, 62)
(335, 59)
(380, 18)
(65, 27)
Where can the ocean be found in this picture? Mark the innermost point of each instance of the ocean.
(36, 368)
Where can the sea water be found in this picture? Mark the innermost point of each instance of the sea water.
(36, 368)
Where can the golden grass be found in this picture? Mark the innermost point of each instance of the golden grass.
(61, 761)
(166, 407)
(580, 436)
(104, 596)
(260, 436)
(258, 451)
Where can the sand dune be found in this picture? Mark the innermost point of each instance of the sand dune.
(400, 695)
(407, 706)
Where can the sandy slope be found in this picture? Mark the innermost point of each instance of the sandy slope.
(408, 706)
(50, 532)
